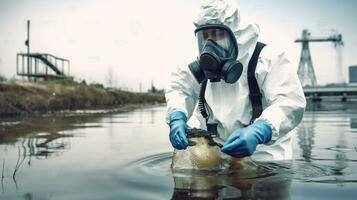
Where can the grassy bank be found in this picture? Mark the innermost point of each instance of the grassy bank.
(26, 98)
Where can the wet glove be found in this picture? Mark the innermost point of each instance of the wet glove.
(178, 127)
(243, 142)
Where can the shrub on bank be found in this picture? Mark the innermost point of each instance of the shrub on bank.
(2, 78)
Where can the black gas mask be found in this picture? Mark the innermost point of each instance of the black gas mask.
(218, 52)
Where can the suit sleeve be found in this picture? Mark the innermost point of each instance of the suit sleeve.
(180, 92)
(281, 88)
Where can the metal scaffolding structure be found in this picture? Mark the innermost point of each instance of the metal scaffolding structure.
(40, 65)
(306, 71)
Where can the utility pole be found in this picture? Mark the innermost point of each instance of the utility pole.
(27, 43)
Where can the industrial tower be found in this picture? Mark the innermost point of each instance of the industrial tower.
(306, 71)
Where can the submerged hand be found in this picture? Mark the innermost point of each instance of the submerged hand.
(243, 142)
(178, 128)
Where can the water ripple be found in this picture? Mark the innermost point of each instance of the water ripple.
(155, 164)
(159, 165)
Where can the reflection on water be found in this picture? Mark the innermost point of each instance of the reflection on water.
(43, 137)
(326, 140)
(128, 156)
(306, 138)
(38, 138)
(212, 187)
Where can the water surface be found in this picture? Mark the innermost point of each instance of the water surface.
(128, 156)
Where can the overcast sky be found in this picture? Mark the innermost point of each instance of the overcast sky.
(139, 41)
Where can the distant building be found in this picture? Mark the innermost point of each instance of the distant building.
(352, 74)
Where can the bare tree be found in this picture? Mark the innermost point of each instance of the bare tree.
(110, 76)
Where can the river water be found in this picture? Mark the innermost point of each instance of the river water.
(128, 156)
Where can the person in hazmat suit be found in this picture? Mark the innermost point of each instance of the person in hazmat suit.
(225, 53)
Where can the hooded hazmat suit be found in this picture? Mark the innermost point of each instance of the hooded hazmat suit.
(283, 98)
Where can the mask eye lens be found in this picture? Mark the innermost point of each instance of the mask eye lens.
(210, 34)
(220, 34)
(213, 34)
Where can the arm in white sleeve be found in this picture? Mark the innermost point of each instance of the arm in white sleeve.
(180, 93)
(281, 88)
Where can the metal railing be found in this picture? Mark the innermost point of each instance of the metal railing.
(39, 65)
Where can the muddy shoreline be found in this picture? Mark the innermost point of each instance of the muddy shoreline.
(25, 99)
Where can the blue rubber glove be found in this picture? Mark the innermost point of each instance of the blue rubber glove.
(243, 142)
(178, 127)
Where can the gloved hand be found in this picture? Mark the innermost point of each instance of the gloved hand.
(243, 142)
(178, 127)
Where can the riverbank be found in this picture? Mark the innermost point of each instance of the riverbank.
(28, 98)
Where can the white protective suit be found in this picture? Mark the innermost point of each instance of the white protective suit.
(283, 98)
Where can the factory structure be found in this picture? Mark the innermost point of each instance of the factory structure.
(340, 88)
